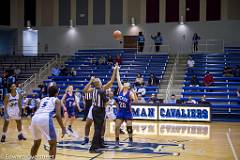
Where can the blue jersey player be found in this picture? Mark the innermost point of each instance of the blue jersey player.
(124, 100)
(69, 103)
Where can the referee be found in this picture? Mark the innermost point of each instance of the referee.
(99, 100)
(87, 104)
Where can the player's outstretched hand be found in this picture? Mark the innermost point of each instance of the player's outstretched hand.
(92, 79)
(64, 131)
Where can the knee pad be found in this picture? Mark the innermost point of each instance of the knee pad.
(129, 129)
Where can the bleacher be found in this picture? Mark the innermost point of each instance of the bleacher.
(27, 64)
(132, 64)
(222, 94)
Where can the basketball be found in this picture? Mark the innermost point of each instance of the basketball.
(117, 35)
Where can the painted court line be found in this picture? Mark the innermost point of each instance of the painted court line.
(231, 145)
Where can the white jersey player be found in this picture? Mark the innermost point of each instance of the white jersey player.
(42, 122)
(12, 111)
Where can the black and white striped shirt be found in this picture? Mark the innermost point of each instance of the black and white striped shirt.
(88, 96)
(99, 97)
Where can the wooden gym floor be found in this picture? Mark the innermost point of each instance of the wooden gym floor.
(156, 140)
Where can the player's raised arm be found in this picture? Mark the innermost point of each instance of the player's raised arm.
(120, 86)
(59, 117)
(110, 83)
(88, 88)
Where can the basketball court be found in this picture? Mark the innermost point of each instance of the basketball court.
(166, 140)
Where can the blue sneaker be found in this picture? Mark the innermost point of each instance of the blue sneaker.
(85, 141)
(130, 143)
(21, 137)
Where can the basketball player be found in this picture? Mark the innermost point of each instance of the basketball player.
(12, 111)
(99, 100)
(125, 97)
(42, 122)
(69, 101)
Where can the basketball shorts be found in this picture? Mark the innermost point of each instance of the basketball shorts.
(71, 112)
(13, 113)
(124, 115)
(43, 127)
(109, 115)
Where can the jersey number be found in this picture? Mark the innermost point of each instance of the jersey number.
(44, 105)
(122, 105)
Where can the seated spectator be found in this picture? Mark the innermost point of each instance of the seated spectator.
(153, 80)
(237, 71)
(64, 71)
(191, 101)
(43, 90)
(238, 95)
(19, 89)
(10, 80)
(142, 90)
(190, 64)
(227, 71)
(102, 60)
(73, 72)
(10, 70)
(17, 72)
(172, 100)
(139, 80)
(153, 99)
(93, 61)
(55, 71)
(33, 104)
(203, 101)
(194, 82)
(118, 59)
(110, 60)
(141, 98)
(208, 79)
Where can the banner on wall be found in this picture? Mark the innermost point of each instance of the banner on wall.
(184, 113)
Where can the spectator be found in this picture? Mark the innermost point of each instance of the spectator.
(80, 99)
(194, 82)
(93, 61)
(55, 71)
(19, 89)
(153, 99)
(172, 100)
(64, 71)
(153, 80)
(238, 95)
(203, 101)
(227, 71)
(142, 90)
(195, 40)
(73, 72)
(102, 60)
(237, 71)
(10, 80)
(190, 64)
(141, 40)
(33, 104)
(43, 90)
(17, 71)
(10, 70)
(157, 41)
(110, 60)
(208, 79)
(191, 101)
(118, 59)
(141, 98)
(139, 80)
(4, 78)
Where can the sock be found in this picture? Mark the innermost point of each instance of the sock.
(130, 139)
(4, 134)
(117, 139)
(19, 133)
(86, 137)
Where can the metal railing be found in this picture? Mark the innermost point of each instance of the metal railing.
(171, 79)
(211, 45)
(43, 72)
(150, 48)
